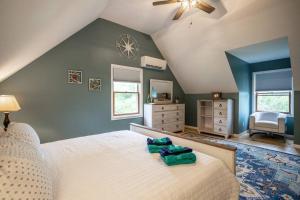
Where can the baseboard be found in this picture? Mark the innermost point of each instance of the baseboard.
(236, 135)
(297, 146)
(191, 127)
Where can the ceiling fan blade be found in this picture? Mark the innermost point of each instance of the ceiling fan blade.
(157, 3)
(179, 12)
(204, 6)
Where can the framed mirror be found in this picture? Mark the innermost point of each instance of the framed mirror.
(161, 91)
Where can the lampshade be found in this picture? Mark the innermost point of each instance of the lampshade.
(8, 103)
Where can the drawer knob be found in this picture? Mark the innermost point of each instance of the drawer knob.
(162, 115)
(162, 121)
(220, 105)
(177, 113)
(220, 129)
(220, 113)
(162, 108)
(177, 107)
(162, 128)
(220, 121)
(177, 119)
(177, 126)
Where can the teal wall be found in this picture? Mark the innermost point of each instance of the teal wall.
(242, 76)
(297, 117)
(58, 110)
(273, 65)
(191, 107)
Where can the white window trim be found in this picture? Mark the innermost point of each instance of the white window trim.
(254, 89)
(130, 116)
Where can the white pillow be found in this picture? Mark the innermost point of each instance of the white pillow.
(22, 132)
(24, 173)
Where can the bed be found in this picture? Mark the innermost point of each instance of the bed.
(117, 166)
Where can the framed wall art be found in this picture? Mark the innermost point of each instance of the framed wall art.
(74, 77)
(95, 84)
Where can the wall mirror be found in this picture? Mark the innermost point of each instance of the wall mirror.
(161, 91)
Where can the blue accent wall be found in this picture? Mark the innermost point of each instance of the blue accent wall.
(58, 110)
(271, 65)
(284, 63)
(241, 73)
(297, 117)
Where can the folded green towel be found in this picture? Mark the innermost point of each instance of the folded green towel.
(155, 148)
(185, 158)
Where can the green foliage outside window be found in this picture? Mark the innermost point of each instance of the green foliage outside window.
(273, 101)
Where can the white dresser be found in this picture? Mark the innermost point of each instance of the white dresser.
(216, 117)
(166, 117)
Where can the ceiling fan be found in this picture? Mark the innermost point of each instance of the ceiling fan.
(185, 5)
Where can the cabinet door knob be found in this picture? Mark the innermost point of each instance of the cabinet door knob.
(220, 113)
(220, 121)
(177, 113)
(162, 121)
(177, 119)
(220, 105)
(177, 126)
(162, 108)
(220, 129)
(162, 115)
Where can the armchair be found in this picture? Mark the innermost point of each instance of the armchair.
(271, 122)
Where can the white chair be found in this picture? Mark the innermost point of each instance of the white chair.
(269, 122)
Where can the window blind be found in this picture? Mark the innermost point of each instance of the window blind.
(127, 74)
(274, 81)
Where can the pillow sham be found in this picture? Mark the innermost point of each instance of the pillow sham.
(24, 174)
(22, 132)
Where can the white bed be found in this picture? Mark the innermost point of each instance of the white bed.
(117, 166)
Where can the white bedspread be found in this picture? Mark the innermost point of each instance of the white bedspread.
(117, 166)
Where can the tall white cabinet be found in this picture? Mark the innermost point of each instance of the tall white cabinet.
(165, 117)
(215, 116)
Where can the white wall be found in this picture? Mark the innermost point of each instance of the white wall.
(29, 28)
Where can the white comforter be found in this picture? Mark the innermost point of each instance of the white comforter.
(117, 166)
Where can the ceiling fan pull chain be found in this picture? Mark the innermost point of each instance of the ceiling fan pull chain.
(191, 23)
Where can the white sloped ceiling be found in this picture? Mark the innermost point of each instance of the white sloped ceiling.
(29, 28)
(196, 53)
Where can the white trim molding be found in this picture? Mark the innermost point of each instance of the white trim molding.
(141, 91)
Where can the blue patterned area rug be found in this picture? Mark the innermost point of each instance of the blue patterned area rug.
(263, 173)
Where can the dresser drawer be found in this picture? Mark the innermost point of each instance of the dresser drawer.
(168, 114)
(173, 107)
(220, 105)
(174, 127)
(167, 120)
(220, 129)
(220, 113)
(220, 121)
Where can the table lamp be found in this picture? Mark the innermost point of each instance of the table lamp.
(8, 103)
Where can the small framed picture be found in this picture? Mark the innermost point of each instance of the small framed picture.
(74, 77)
(95, 84)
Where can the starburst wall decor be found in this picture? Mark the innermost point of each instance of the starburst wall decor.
(128, 46)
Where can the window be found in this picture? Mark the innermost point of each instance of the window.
(272, 91)
(276, 101)
(126, 92)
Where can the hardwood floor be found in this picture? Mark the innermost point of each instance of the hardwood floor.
(274, 142)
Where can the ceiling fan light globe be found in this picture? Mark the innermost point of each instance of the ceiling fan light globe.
(185, 4)
(193, 3)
